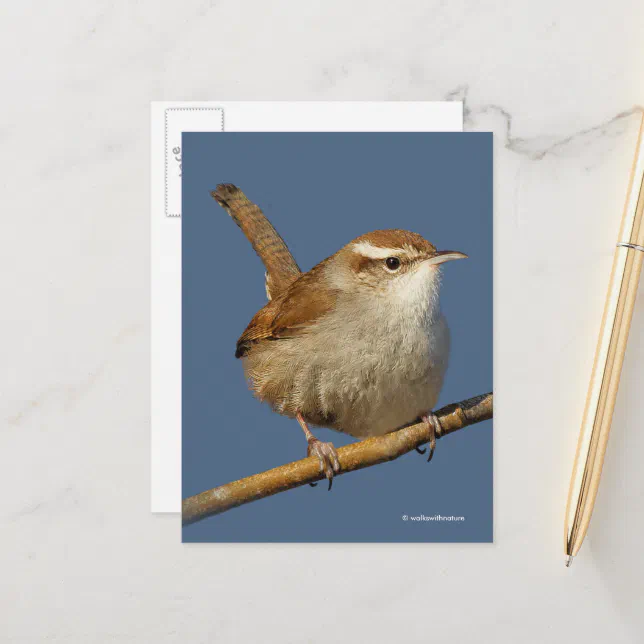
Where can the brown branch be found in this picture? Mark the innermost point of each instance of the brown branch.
(356, 456)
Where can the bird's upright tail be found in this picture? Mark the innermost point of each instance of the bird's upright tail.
(281, 268)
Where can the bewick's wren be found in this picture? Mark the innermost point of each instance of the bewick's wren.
(357, 344)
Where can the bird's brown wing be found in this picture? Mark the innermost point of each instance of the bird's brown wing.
(281, 268)
(290, 314)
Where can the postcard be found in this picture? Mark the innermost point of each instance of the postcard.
(169, 120)
(337, 337)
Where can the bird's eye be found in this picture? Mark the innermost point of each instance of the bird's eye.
(392, 263)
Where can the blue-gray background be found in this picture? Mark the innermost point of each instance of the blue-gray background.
(320, 191)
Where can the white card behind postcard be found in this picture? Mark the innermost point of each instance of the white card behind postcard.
(168, 121)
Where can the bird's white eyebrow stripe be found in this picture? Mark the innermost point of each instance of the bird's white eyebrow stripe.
(375, 252)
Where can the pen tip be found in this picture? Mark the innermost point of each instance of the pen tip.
(569, 559)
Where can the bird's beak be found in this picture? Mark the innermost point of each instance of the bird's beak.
(441, 256)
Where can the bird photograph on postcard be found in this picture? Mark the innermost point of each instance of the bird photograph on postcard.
(353, 325)
(357, 344)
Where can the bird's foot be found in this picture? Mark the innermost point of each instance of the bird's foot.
(434, 426)
(328, 457)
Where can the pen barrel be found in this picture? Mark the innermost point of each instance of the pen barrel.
(613, 336)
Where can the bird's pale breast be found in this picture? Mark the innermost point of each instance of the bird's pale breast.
(363, 378)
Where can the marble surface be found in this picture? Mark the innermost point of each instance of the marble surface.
(82, 558)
